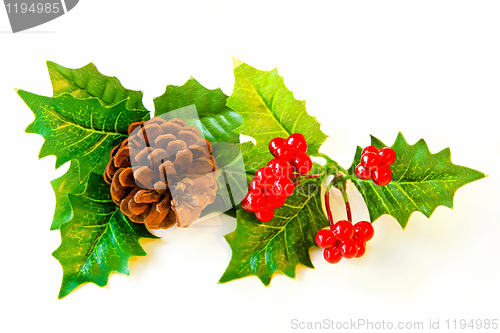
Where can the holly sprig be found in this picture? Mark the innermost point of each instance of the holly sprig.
(415, 173)
(89, 113)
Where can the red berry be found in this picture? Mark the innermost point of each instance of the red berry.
(387, 156)
(343, 230)
(283, 186)
(254, 201)
(332, 255)
(382, 175)
(265, 215)
(275, 201)
(297, 142)
(362, 172)
(370, 160)
(361, 248)
(371, 149)
(325, 238)
(275, 144)
(264, 172)
(254, 185)
(302, 163)
(280, 168)
(348, 248)
(265, 177)
(284, 152)
(363, 231)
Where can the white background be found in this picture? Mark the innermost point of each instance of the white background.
(430, 69)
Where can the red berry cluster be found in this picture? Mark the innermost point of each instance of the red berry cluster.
(344, 240)
(375, 165)
(272, 184)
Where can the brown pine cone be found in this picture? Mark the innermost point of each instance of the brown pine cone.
(162, 174)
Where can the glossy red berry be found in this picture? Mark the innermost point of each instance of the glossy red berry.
(275, 201)
(332, 255)
(363, 231)
(325, 239)
(283, 186)
(348, 248)
(297, 142)
(387, 156)
(302, 163)
(265, 177)
(265, 215)
(284, 152)
(264, 172)
(343, 229)
(254, 201)
(275, 144)
(370, 160)
(280, 168)
(254, 185)
(382, 175)
(361, 248)
(371, 149)
(362, 172)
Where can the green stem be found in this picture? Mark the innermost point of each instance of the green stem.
(343, 190)
(339, 181)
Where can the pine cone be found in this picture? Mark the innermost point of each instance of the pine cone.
(162, 174)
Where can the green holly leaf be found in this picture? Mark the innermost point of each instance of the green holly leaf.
(421, 181)
(269, 109)
(254, 160)
(79, 129)
(239, 173)
(87, 82)
(278, 246)
(230, 176)
(216, 121)
(98, 239)
(69, 183)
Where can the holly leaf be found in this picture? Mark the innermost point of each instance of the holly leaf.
(253, 159)
(230, 177)
(98, 239)
(216, 121)
(269, 109)
(233, 178)
(79, 129)
(278, 246)
(421, 181)
(87, 82)
(69, 183)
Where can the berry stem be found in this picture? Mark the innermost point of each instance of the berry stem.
(342, 187)
(339, 181)
(348, 210)
(296, 175)
(328, 210)
(334, 181)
